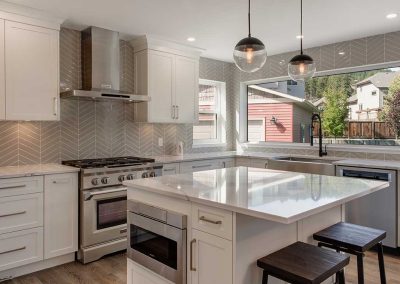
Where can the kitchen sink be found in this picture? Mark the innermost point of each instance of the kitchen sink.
(303, 165)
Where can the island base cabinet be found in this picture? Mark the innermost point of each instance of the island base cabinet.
(61, 214)
(140, 275)
(211, 259)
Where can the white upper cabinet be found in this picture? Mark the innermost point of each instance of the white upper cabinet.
(169, 74)
(2, 75)
(31, 72)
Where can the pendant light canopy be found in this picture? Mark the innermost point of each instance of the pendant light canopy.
(250, 53)
(302, 66)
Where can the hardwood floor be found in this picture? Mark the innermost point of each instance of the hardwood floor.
(112, 270)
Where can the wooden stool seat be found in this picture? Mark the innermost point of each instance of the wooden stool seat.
(354, 239)
(302, 263)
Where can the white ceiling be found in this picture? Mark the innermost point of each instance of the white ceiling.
(219, 24)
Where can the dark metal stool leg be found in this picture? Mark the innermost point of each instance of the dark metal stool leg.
(265, 278)
(381, 263)
(340, 277)
(360, 268)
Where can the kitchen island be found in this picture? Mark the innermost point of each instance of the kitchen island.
(237, 215)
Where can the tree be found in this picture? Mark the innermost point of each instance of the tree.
(335, 110)
(391, 106)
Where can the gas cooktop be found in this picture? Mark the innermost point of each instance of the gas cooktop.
(108, 162)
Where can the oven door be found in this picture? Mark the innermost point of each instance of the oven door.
(158, 247)
(103, 215)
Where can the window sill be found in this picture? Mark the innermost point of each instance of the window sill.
(211, 144)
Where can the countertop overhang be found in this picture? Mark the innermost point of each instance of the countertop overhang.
(278, 196)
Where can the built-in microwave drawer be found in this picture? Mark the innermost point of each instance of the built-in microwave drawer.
(22, 185)
(20, 248)
(21, 212)
(212, 220)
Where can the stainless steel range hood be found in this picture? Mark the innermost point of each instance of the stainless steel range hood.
(100, 68)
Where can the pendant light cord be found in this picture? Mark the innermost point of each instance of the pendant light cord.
(301, 27)
(249, 19)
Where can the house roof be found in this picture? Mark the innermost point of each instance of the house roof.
(321, 101)
(352, 99)
(306, 104)
(380, 80)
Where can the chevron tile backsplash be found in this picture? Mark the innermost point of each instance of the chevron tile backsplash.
(103, 129)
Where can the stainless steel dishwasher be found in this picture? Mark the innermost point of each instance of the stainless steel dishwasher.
(376, 210)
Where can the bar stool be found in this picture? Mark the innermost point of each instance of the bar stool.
(301, 263)
(356, 240)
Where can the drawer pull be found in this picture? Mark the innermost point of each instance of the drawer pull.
(14, 186)
(202, 218)
(191, 255)
(168, 170)
(61, 181)
(202, 166)
(13, 214)
(13, 250)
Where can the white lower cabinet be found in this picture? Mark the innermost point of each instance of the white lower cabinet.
(21, 248)
(140, 275)
(61, 214)
(211, 259)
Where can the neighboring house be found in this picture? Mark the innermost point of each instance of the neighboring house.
(370, 94)
(278, 117)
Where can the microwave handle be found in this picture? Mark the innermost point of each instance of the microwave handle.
(89, 195)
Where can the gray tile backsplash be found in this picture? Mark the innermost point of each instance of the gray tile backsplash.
(100, 129)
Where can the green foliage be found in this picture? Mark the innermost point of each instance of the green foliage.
(336, 107)
(391, 106)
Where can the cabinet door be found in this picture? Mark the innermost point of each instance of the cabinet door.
(186, 88)
(31, 56)
(211, 259)
(2, 76)
(140, 275)
(161, 87)
(60, 214)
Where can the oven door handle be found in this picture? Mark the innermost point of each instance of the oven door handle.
(89, 195)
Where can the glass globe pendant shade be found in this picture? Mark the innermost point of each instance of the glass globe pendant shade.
(250, 54)
(301, 67)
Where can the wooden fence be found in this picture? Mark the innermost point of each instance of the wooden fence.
(365, 130)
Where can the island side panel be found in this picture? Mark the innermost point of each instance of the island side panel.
(256, 238)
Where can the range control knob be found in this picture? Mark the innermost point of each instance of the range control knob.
(121, 178)
(130, 177)
(152, 174)
(105, 180)
(95, 181)
(145, 175)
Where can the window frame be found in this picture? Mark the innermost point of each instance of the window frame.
(220, 115)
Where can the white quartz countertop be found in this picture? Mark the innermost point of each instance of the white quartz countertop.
(35, 170)
(284, 197)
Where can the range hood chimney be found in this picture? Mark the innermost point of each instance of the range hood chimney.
(100, 68)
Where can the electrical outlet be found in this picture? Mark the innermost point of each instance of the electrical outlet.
(160, 142)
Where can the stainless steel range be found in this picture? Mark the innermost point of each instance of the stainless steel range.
(102, 202)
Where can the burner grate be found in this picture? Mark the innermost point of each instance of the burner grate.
(108, 162)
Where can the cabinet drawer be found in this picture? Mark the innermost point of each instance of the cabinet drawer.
(170, 169)
(201, 165)
(22, 185)
(20, 248)
(212, 220)
(242, 162)
(21, 212)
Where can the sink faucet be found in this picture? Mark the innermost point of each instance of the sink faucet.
(317, 116)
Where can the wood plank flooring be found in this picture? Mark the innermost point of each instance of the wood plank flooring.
(112, 270)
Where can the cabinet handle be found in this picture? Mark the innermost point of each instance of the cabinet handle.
(168, 170)
(14, 186)
(223, 164)
(173, 112)
(12, 250)
(61, 181)
(266, 165)
(202, 166)
(177, 112)
(55, 106)
(191, 255)
(202, 218)
(12, 214)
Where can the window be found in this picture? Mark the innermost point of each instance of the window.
(280, 111)
(210, 129)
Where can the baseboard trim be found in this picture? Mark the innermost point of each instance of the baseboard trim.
(36, 266)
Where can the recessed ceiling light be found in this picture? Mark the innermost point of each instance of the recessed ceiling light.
(391, 16)
(191, 39)
(342, 53)
(299, 36)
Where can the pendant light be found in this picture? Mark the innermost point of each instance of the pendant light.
(302, 66)
(250, 53)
